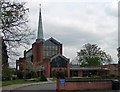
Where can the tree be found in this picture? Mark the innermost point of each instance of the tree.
(92, 55)
(14, 27)
(32, 69)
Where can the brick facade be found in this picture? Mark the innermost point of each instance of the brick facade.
(37, 53)
(41, 53)
(84, 85)
(37, 50)
(113, 68)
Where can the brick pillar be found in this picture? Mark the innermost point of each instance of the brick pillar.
(24, 61)
(60, 49)
(48, 69)
(37, 50)
(24, 68)
(68, 68)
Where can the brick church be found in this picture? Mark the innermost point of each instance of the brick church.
(48, 53)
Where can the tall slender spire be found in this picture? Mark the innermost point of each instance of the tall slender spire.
(40, 29)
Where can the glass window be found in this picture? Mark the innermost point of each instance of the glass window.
(50, 49)
(59, 62)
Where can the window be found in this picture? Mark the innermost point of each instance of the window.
(59, 62)
(50, 49)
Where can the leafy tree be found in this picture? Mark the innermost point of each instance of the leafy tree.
(92, 55)
(13, 26)
(32, 69)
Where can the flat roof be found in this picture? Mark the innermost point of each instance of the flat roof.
(89, 68)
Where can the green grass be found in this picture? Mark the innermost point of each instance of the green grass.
(17, 81)
(53, 79)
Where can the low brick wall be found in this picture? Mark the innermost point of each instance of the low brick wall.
(84, 84)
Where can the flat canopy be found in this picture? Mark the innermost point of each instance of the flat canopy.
(89, 68)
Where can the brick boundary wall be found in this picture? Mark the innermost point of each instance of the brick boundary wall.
(84, 84)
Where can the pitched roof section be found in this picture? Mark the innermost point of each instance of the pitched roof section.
(40, 29)
(60, 56)
(53, 40)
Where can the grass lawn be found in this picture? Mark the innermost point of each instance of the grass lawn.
(17, 81)
(53, 79)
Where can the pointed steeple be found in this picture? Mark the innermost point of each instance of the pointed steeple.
(40, 29)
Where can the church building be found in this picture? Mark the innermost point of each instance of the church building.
(48, 53)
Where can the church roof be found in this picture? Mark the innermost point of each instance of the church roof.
(57, 56)
(53, 40)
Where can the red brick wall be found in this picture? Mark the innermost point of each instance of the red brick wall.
(37, 50)
(21, 64)
(46, 65)
(87, 85)
(68, 68)
(60, 86)
(113, 68)
(60, 49)
(84, 85)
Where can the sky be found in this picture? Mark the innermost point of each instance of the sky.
(77, 22)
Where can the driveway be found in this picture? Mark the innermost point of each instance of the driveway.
(47, 86)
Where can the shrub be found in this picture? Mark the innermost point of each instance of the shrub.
(109, 76)
(7, 74)
(20, 74)
(28, 75)
(96, 77)
(14, 77)
(33, 74)
(43, 78)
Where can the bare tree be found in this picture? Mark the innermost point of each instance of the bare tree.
(14, 26)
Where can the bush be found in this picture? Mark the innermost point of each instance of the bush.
(7, 74)
(109, 76)
(28, 75)
(96, 77)
(43, 78)
(20, 75)
(14, 77)
(33, 74)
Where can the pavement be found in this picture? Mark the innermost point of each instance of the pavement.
(16, 86)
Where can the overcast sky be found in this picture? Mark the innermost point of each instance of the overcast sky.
(76, 23)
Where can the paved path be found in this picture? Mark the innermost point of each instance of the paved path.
(47, 86)
(13, 87)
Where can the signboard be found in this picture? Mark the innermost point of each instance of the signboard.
(62, 81)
